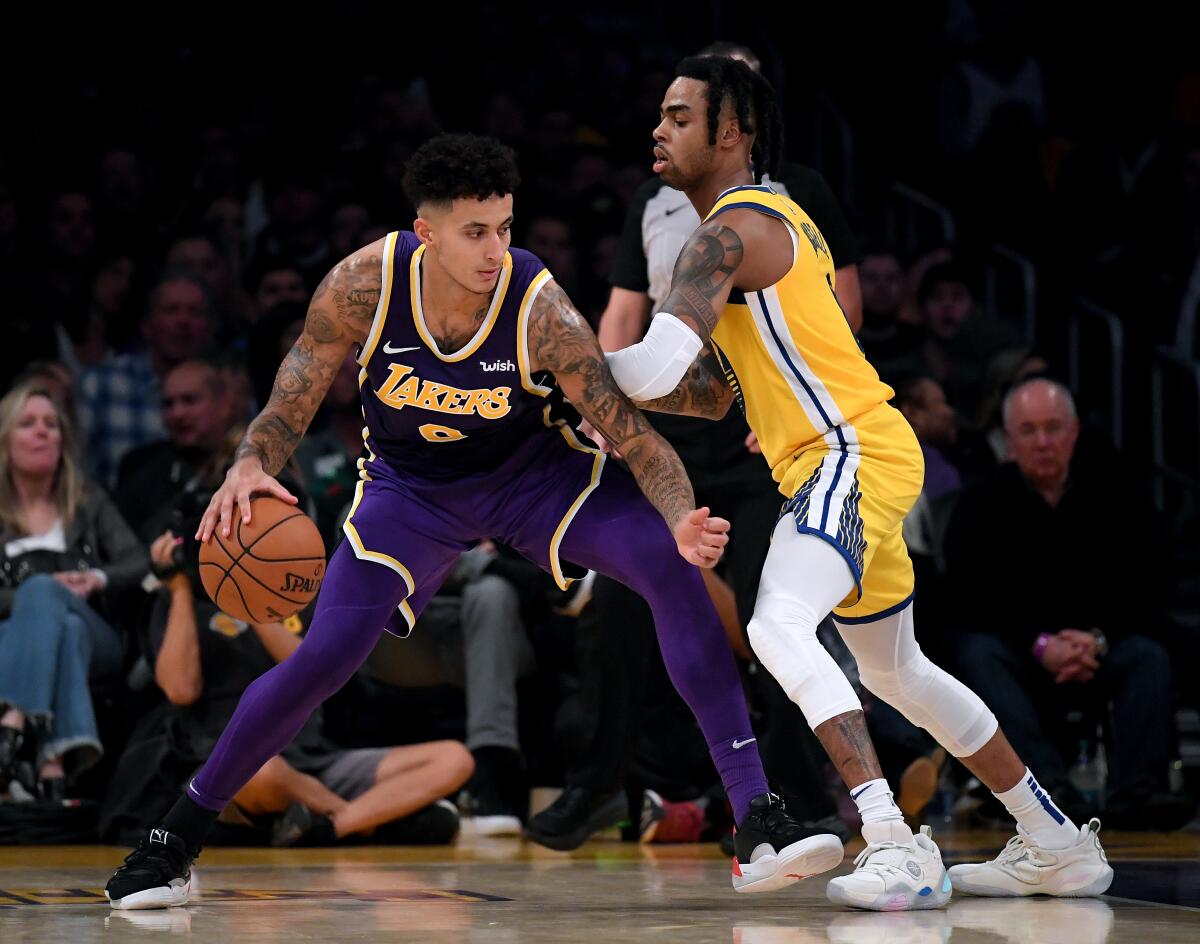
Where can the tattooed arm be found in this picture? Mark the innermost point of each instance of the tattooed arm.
(652, 369)
(701, 392)
(561, 342)
(339, 316)
(741, 248)
(703, 276)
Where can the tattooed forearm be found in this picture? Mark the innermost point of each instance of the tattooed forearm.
(848, 745)
(701, 281)
(271, 440)
(339, 316)
(561, 341)
(701, 392)
(660, 475)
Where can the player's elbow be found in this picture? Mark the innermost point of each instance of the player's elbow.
(654, 366)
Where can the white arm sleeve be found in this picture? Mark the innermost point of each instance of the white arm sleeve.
(653, 367)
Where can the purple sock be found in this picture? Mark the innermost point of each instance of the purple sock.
(618, 533)
(355, 601)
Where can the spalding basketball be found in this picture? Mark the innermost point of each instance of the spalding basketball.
(266, 570)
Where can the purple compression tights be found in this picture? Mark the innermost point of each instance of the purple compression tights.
(617, 533)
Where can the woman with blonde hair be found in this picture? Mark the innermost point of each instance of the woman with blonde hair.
(63, 549)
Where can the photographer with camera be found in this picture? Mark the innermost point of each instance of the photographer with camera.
(64, 550)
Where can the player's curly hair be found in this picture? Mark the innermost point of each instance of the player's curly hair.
(753, 101)
(460, 166)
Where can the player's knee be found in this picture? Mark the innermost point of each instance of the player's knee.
(784, 615)
(907, 681)
(780, 628)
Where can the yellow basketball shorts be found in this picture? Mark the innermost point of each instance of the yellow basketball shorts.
(853, 490)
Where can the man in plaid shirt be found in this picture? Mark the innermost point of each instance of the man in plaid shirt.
(120, 406)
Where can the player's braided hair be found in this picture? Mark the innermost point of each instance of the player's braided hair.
(753, 101)
(460, 166)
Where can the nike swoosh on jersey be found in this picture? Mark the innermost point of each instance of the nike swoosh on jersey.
(738, 745)
(388, 349)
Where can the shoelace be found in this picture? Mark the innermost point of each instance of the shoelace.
(1016, 849)
(860, 861)
(145, 856)
(1019, 847)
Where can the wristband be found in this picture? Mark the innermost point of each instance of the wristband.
(1039, 647)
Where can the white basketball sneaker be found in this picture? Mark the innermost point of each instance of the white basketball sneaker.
(897, 871)
(1024, 868)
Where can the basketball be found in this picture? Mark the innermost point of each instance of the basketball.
(266, 570)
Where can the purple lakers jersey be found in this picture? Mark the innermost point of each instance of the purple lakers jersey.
(445, 416)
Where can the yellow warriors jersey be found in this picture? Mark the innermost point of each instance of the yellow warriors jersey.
(789, 352)
(847, 461)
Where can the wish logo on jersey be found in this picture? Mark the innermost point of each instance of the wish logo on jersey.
(402, 388)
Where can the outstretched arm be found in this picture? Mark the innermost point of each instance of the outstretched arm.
(339, 316)
(561, 342)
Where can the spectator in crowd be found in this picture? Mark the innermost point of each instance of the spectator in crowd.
(225, 218)
(346, 227)
(297, 230)
(1055, 614)
(56, 380)
(124, 194)
(70, 241)
(924, 405)
(272, 282)
(66, 551)
(196, 414)
(959, 342)
(198, 255)
(884, 336)
(120, 401)
(111, 313)
(549, 238)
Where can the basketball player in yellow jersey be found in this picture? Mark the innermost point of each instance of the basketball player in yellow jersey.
(752, 314)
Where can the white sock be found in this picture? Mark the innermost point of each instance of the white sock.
(875, 803)
(1036, 813)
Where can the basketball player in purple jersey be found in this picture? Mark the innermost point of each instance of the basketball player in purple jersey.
(471, 359)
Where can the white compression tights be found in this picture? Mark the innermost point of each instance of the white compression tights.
(803, 579)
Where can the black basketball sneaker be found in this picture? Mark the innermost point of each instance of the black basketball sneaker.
(157, 874)
(772, 850)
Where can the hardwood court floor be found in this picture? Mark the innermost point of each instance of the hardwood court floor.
(505, 891)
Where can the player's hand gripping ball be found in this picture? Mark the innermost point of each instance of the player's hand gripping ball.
(267, 569)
